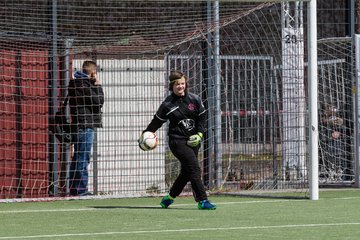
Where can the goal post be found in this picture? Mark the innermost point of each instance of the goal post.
(357, 110)
(257, 77)
(313, 102)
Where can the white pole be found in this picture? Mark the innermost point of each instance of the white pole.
(313, 101)
(357, 111)
(217, 64)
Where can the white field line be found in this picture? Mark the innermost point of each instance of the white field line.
(103, 208)
(185, 230)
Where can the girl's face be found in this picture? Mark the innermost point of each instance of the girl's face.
(179, 87)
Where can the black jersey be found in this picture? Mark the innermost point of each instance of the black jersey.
(186, 115)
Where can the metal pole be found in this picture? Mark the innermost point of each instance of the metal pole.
(53, 93)
(357, 111)
(211, 96)
(350, 18)
(19, 126)
(206, 66)
(313, 101)
(95, 144)
(65, 148)
(217, 78)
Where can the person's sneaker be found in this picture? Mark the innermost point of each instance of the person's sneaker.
(166, 201)
(206, 205)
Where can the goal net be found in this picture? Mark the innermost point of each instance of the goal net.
(336, 118)
(246, 63)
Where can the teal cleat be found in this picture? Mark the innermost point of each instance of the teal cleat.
(166, 201)
(206, 205)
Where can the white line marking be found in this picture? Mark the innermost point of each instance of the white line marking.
(50, 210)
(186, 230)
(113, 207)
(346, 198)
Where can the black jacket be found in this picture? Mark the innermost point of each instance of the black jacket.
(186, 115)
(85, 101)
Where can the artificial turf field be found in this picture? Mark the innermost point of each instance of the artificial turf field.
(335, 216)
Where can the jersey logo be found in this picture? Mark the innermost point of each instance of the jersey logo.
(188, 124)
(191, 107)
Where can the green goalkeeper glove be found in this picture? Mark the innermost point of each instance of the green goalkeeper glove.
(194, 140)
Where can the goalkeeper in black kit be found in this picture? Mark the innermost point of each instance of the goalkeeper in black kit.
(186, 115)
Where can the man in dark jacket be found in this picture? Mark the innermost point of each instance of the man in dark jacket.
(86, 99)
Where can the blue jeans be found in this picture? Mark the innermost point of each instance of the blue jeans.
(83, 141)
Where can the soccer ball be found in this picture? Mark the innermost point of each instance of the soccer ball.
(148, 141)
